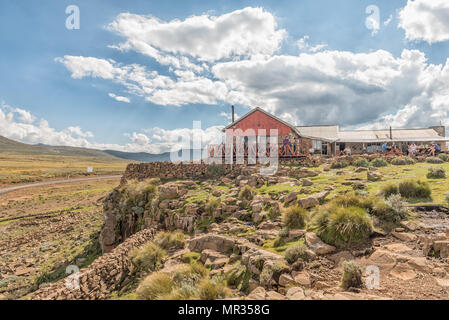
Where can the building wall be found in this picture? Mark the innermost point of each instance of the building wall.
(441, 130)
(258, 120)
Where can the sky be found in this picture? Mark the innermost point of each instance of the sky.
(135, 75)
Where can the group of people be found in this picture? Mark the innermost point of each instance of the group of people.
(431, 150)
(413, 149)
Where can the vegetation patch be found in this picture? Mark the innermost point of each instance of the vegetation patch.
(343, 226)
(402, 161)
(352, 275)
(295, 217)
(434, 160)
(339, 164)
(436, 173)
(297, 251)
(361, 162)
(185, 282)
(148, 257)
(170, 240)
(378, 162)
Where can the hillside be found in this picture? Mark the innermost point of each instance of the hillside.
(11, 146)
(15, 147)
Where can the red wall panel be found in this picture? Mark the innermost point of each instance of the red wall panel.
(258, 120)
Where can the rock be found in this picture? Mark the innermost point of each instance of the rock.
(256, 206)
(320, 285)
(404, 236)
(419, 263)
(285, 279)
(253, 284)
(168, 191)
(216, 193)
(318, 246)
(443, 282)
(408, 225)
(397, 247)
(341, 256)
(295, 234)
(306, 182)
(439, 272)
(308, 202)
(403, 271)
(303, 279)
(320, 195)
(273, 295)
(361, 169)
(257, 294)
(373, 176)
(23, 271)
(295, 293)
(383, 259)
(210, 255)
(291, 198)
(442, 247)
(258, 216)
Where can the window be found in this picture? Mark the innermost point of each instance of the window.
(316, 144)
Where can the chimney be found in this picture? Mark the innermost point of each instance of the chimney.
(391, 134)
(232, 114)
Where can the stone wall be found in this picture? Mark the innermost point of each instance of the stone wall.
(168, 170)
(102, 277)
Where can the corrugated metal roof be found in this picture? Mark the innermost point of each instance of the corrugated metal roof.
(332, 133)
(322, 132)
(424, 134)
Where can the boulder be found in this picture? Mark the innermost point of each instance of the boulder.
(273, 295)
(317, 245)
(291, 198)
(302, 279)
(306, 182)
(168, 191)
(285, 280)
(404, 236)
(258, 216)
(308, 202)
(403, 271)
(373, 176)
(295, 293)
(257, 294)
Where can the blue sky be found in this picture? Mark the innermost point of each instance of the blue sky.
(37, 80)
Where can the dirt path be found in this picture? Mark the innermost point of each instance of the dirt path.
(47, 183)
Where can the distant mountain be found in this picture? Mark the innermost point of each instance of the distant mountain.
(11, 146)
(139, 156)
(147, 157)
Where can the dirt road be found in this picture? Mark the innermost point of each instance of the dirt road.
(47, 183)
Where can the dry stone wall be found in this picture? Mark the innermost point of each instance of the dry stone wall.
(168, 170)
(102, 277)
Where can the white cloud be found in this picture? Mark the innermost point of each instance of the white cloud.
(119, 98)
(156, 88)
(25, 116)
(303, 45)
(88, 66)
(155, 140)
(388, 21)
(228, 116)
(207, 38)
(333, 87)
(425, 20)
